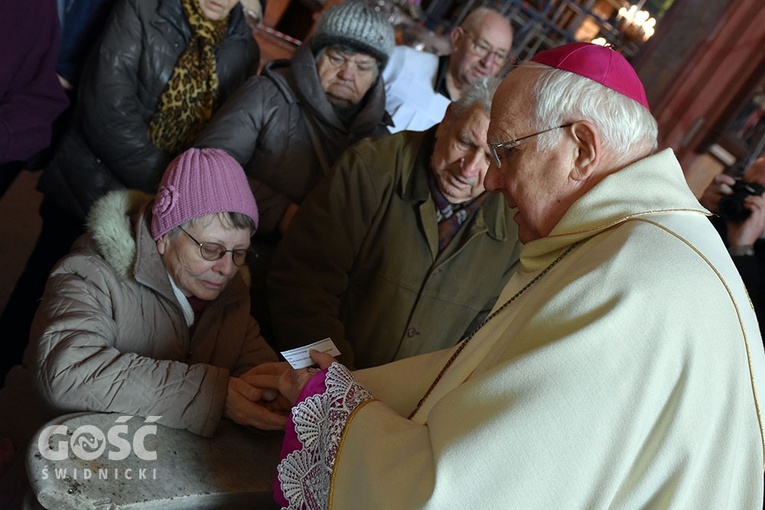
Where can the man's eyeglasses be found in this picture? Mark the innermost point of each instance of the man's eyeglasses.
(512, 144)
(215, 251)
(481, 49)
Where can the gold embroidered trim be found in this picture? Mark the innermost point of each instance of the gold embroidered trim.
(624, 219)
(486, 321)
(684, 241)
(340, 448)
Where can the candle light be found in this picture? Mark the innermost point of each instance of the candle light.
(636, 22)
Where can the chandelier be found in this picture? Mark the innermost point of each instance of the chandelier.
(636, 23)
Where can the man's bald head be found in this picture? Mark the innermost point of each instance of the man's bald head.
(481, 46)
(482, 17)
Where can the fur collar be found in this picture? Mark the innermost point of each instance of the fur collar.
(111, 226)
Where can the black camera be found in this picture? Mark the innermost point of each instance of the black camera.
(731, 207)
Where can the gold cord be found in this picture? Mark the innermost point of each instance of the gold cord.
(485, 321)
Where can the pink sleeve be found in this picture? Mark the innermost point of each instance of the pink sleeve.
(313, 434)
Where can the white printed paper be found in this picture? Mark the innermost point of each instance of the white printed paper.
(299, 357)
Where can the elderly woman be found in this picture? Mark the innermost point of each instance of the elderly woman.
(289, 125)
(160, 70)
(148, 313)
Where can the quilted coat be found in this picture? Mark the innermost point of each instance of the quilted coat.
(108, 145)
(264, 128)
(110, 335)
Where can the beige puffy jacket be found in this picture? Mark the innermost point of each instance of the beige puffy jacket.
(110, 336)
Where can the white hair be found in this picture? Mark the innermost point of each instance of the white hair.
(625, 125)
(481, 92)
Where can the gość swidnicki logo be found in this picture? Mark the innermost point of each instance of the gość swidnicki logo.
(88, 442)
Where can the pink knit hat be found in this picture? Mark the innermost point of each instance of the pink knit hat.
(200, 182)
(599, 63)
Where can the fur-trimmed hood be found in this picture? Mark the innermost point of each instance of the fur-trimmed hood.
(112, 226)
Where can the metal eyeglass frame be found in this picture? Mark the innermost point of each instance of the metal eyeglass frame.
(514, 143)
(221, 253)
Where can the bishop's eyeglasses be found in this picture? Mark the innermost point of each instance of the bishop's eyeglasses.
(512, 144)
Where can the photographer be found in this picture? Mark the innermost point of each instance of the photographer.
(744, 236)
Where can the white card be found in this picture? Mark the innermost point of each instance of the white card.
(299, 357)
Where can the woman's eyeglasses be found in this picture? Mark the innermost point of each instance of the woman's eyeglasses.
(215, 251)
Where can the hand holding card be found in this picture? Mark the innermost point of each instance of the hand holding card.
(299, 357)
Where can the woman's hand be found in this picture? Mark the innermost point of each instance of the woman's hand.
(265, 377)
(259, 408)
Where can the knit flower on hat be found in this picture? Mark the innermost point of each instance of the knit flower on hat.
(166, 199)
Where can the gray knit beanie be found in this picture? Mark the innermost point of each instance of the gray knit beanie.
(353, 24)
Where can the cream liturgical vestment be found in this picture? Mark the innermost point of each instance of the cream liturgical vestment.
(625, 376)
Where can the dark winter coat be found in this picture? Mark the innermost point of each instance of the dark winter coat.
(108, 145)
(263, 127)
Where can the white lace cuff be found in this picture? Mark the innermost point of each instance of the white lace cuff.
(312, 438)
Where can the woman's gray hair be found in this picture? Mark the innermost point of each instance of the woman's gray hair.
(624, 125)
(480, 92)
(228, 219)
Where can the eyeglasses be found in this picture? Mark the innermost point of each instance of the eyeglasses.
(482, 49)
(339, 58)
(512, 144)
(215, 251)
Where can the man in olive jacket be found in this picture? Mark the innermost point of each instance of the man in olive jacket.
(399, 251)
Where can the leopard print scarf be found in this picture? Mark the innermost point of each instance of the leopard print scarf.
(190, 95)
